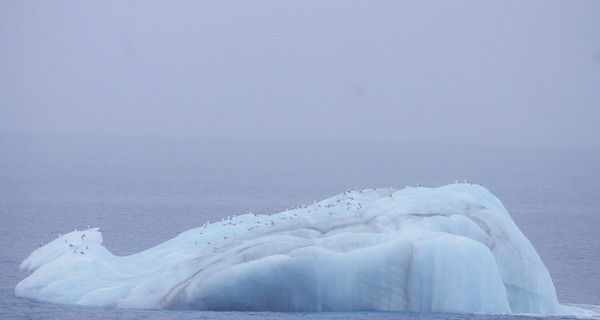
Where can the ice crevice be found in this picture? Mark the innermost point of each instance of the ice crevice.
(453, 248)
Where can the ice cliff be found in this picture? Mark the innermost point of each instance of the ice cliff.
(449, 249)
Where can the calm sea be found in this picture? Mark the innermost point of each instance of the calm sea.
(143, 191)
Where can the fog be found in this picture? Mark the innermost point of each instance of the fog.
(466, 72)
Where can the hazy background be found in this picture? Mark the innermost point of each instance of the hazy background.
(471, 72)
(114, 114)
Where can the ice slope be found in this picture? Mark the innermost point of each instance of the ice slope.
(448, 249)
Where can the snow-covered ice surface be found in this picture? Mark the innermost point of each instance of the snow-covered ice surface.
(449, 249)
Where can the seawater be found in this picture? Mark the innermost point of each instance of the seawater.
(144, 191)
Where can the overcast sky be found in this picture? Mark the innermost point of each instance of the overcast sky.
(492, 72)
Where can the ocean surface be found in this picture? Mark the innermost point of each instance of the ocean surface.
(144, 191)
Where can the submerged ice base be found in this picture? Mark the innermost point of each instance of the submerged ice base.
(449, 249)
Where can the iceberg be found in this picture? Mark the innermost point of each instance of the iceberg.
(453, 248)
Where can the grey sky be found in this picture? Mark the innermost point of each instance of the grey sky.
(497, 72)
